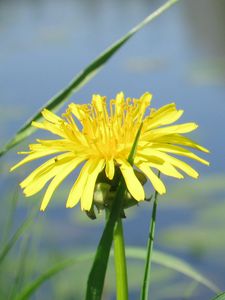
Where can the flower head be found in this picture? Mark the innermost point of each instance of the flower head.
(100, 141)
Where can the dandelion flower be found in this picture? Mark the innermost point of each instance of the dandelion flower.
(100, 140)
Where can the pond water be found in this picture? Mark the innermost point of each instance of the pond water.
(179, 57)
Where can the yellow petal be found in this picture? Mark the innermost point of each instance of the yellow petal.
(64, 172)
(78, 187)
(54, 128)
(110, 168)
(181, 128)
(133, 184)
(163, 118)
(119, 104)
(173, 161)
(155, 180)
(78, 111)
(144, 101)
(33, 156)
(99, 103)
(181, 140)
(50, 116)
(45, 167)
(179, 151)
(87, 195)
(44, 176)
(166, 169)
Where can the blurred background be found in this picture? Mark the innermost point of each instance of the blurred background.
(179, 57)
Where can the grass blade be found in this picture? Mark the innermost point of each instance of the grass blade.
(148, 260)
(220, 297)
(160, 258)
(11, 212)
(82, 78)
(11, 242)
(20, 272)
(173, 263)
(31, 288)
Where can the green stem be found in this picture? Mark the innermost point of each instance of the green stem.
(146, 281)
(120, 262)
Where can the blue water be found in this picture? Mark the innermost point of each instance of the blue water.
(179, 57)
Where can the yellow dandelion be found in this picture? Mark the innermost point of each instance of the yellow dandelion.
(100, 141)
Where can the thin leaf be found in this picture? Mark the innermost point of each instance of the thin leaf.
(31, 288)
(10, 217)
(97, 274)
(220, 297)
(20, 272)
(160, 258)
(173, 263)
(11, 242)
(150, 243)
(82, 78)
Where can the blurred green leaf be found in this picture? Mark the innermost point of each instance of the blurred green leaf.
(220, 297)
(174, 263)
(160, 258)
(82, 78)
(30, 289)
(11, 242)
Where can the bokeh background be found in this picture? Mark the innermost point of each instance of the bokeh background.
(179, 57)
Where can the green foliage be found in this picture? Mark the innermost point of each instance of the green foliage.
(174, 263)
(25, 267)
(220, 297)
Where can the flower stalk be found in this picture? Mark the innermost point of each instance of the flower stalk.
(147, 273)
(120, 262)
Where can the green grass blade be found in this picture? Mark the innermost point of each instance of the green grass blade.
(97, 274)
(31, 288)
(173, 263)
(11, 242)
(160, 258)
(20, 272)
(10, 217)
(82, 78)
(220, 297)
(149, 250)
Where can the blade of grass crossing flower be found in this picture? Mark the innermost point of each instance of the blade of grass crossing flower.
(220, 297)
(134, 146)
(97, 274)
(82, 78)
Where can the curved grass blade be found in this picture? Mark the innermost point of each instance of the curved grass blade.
(220, 297)
(148, 260)
(173, 263)
(160, 258)
(20, 272)
(10, 217)
(11, 242)
(82, 78)
(30, 289)
(97, 274)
